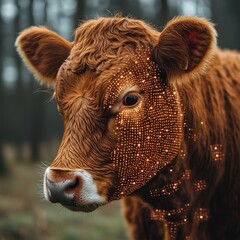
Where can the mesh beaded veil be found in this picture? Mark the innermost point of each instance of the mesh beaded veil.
(149, 135)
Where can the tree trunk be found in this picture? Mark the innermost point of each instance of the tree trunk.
(161, 13)
(3, 168)
(80, 14)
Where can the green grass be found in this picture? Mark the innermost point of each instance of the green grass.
(23, 215)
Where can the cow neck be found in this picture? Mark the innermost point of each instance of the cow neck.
(169, 199)
(168, 184)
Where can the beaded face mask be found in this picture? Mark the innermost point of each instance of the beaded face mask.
(148, 135)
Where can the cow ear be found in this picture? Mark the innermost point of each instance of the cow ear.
(185, 46)
(43, 51)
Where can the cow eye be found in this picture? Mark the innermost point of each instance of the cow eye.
(130, 99)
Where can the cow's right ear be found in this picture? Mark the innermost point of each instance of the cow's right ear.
(43, 51)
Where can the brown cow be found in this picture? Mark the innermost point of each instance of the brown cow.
(151, 117)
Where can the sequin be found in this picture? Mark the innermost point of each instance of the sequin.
(217, 152)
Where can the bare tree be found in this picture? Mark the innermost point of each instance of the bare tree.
(225, 14)
(161, 12)
(81, 11)
(3, 168)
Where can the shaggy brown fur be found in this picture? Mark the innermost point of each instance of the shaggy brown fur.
(208, 82)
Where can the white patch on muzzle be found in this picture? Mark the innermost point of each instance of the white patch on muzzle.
(88, 194)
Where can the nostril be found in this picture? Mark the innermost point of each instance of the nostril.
(72, 185)
(64, 191)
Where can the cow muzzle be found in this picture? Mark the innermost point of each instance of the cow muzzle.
(74, 189)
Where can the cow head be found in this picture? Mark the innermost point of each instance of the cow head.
(115, 87)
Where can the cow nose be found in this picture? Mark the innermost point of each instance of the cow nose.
(63, 191)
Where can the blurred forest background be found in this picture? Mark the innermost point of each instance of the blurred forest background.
(30, 127)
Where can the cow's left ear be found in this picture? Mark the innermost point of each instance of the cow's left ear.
(185, 46)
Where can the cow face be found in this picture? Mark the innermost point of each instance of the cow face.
(122, 122)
